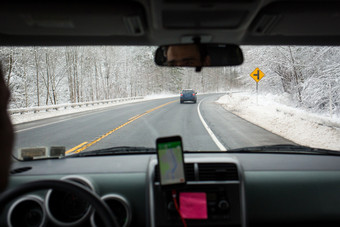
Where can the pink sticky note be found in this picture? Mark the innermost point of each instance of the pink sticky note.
(193, 205)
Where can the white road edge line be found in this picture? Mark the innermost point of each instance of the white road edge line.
(70, 117)
(82, 113)
(86, 112)
(212, 135)
(43, 125)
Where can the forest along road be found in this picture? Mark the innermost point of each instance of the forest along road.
(204, 126)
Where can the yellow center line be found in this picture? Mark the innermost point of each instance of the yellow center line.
(82, 148)
(134, 117)
(75, 148)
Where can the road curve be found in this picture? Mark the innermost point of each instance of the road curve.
(140, 123)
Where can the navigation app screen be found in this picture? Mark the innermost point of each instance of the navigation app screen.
(171, 163)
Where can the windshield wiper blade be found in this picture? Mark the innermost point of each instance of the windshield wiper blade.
(115, 150)
(285, 148)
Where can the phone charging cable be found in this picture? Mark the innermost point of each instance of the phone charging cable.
(174, 195)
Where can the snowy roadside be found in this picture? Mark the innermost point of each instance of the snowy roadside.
(274, 114)
(22, 118)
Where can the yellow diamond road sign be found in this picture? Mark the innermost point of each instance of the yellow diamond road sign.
(257, 75)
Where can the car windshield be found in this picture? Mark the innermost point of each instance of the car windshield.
(77, 99)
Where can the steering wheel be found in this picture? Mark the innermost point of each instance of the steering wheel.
(84, 193)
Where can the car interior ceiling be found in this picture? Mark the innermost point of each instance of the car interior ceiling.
(247, 22)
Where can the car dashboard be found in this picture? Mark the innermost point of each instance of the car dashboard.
(249, 189)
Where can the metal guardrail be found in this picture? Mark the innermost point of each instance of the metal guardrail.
(69, 105)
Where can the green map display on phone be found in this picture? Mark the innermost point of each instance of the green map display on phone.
(171, 163)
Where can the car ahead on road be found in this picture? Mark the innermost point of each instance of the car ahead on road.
(88, 103)
(188, 95)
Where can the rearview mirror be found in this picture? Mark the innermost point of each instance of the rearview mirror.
(198, 55)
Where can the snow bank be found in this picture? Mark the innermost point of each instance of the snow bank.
(274, 114)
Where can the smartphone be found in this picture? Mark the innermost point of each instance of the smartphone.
(170, 161)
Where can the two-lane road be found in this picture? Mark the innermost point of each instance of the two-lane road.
(139, 124)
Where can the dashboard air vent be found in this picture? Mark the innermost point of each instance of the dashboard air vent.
(20, 170)
(217, 171)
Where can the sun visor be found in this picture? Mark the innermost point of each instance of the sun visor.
(298, 19)
(72, 19)
(217, 19)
